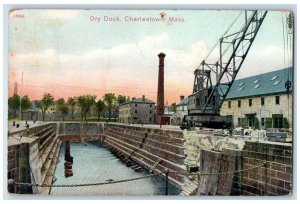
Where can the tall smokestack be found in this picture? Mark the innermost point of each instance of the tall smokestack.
(160, 90)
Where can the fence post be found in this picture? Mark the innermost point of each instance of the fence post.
(11, 186)
(167, 180)
(266, 178)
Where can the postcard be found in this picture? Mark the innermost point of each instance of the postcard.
(150, 102)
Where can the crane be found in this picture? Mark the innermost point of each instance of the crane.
(206, 100)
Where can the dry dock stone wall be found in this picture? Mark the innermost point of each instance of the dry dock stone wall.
(148, 145)
(32, 158)
(263, 168)
(278, 157)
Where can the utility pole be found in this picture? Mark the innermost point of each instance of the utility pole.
(21, 98)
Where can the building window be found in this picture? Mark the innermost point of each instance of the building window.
(262, 101)
(150, 119)
(150, 105)
(239, 103)
(229, 104)
(150, 112)
(277, 123)
(262, 121)
(135, 104)
(277, 100)
(135, 111)
(250, 102)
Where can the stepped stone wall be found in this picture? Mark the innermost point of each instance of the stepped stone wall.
(32, 157)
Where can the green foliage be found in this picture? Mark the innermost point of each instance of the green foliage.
(71, 103)
(285, 123)
(45, 103)
(268, 123)
(100, 107)
(244, 122)
(121, 99)
(86, 102)
(14, 103)
(109, 100)
(256, 124)
(128, 99)
(173, 107)
(25, 104)
(62, 107)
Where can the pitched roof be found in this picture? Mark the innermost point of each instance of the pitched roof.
(184, 102)
(138, 100)
(262, 84)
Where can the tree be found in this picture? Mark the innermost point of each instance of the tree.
(100, 106)
(110, 100)
(121, 99)
(85, 103)
(128, 99)
(25, 105)
(62, 107)
(14, 103)
(173, 107)
(45, 103)
(72, 102)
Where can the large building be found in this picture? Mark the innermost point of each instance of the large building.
(181, 111)
(261, 101)
(138, 110)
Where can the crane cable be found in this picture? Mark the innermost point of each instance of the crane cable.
(225, 33)
(287, 31)
(283, 35)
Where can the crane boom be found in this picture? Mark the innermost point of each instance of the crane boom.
(206, 100)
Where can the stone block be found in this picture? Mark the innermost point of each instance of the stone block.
(282, 191)
(288, 185)
(284, 176)
(277, 182)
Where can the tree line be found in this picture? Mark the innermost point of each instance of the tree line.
(108, 102)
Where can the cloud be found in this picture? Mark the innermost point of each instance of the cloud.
(129, 69)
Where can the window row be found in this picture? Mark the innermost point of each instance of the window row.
(262, 102)
(150, 105)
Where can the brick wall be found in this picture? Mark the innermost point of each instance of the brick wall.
(279, 170)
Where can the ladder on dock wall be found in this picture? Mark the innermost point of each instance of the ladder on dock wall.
(141, 145)
(83, 140)
(154, 166)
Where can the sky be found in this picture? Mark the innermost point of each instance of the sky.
(70, 53)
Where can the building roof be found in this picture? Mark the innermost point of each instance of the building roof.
(184, 102)
(262, 84)
(138, 100)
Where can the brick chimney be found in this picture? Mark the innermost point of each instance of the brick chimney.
(181, 98)
(143, 98)
(160, 90)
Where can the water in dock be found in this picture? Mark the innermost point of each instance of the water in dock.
(93, 164)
